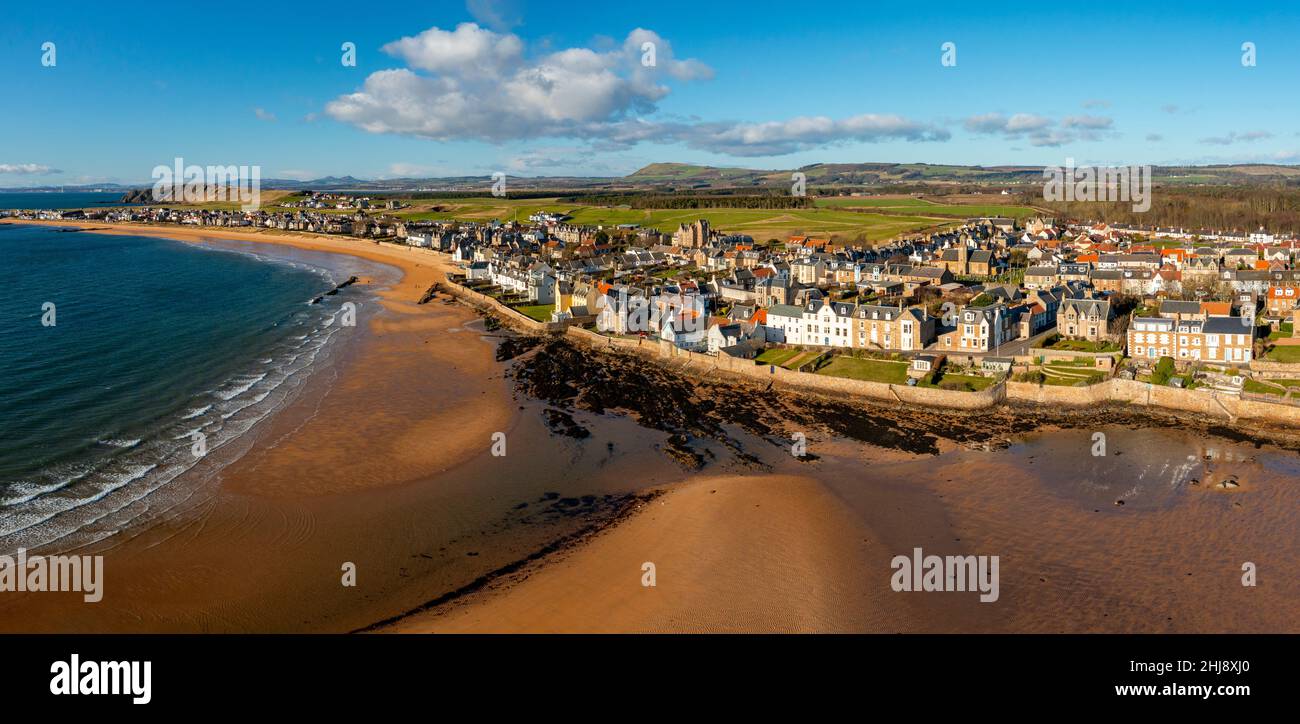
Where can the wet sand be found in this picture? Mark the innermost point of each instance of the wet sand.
(735, 554)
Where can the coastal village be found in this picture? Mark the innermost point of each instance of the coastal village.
(961, 309)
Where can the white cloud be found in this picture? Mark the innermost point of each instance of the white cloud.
(1234, 137)
(1040, 130)
(263, 114)
(403, 169)
(497, 14)
(776, 138)
(27, 169)
(468, 49)
(1089, 122)
(472, 83)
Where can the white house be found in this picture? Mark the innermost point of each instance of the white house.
(784, 324)
(828, 324)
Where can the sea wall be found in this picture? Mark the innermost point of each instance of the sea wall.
(1202, 402)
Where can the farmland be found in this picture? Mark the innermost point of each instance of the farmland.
(850, 219)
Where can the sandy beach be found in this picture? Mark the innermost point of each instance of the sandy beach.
(417, 395)
(420, 396)
(773, 553)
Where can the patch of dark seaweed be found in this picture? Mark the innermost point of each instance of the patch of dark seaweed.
(511, 347)
(607, 511)
(560, 422)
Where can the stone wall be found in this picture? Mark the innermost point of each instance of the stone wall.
(1202, 401)
(1279, 370)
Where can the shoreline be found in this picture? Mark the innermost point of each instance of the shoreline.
(366, 437)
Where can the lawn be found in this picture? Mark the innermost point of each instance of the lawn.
(1284, 330)
(1070, 374)
(794, 362)
(1082, 345)
(540, 312)
(1260, 388)
(973, 383)
(776, 356)
(1290, 354)
(866, 369)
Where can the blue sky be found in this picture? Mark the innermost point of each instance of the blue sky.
(535, 88)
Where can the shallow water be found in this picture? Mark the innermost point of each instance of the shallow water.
(153, 345)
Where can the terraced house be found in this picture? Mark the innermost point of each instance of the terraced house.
(828, 324)
(892, 328)
(1223, 339)
(981, 329)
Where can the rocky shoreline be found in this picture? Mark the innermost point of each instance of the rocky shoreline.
(692, 408)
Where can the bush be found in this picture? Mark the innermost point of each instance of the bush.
(956, 385)
(1163, 371)
(1034, 376)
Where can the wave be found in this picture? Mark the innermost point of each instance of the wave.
(130, 483)
(241, 387)
(120, 443)
(196, 412)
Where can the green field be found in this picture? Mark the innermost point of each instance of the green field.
(761, 224)
(866, 369)
(922, 207)
(852, 219)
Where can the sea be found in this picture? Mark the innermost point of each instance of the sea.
(60, 200)
(125, 361)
